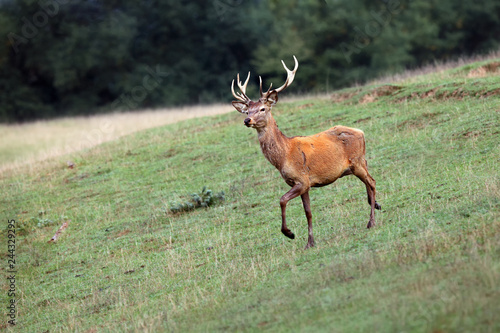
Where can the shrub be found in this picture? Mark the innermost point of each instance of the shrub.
(204, 199)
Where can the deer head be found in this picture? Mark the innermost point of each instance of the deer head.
(259, 112)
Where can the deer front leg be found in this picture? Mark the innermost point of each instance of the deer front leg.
(293, 193)
(307, 209)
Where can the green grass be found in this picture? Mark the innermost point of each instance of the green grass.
(125, 263)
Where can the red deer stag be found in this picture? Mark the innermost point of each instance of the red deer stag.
(305, 161)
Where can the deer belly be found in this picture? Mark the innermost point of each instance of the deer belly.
(323, 179)
(312, 174)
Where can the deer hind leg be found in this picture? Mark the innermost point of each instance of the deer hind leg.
(361, 171)
(293, 193)
(369, 188)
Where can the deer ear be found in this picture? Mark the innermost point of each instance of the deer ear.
(272, 98)
(240, 106)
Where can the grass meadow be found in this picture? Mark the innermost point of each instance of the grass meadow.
(35, 142)
(126, 263)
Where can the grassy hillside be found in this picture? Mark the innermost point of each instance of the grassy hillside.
(125, 263)
(46, 139)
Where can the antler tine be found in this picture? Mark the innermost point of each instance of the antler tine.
(241, 96)
(268, 90)
(290, 75)
(244, 87)
(264, 95)
(237, 96)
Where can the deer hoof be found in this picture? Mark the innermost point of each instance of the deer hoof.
(309, 244)
(288, 233)
(370, 224)
(377, 206)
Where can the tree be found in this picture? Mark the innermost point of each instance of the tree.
(63, 57)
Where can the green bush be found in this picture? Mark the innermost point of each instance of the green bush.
(204, 199)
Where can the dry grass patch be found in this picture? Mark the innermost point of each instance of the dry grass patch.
(33, 142)
(438, 68)
(485, 70)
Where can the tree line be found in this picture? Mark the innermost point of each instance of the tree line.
(69, 57)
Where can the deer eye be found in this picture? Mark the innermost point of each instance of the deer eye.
(263, 109)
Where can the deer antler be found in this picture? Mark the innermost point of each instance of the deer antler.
(267, 92)
(290, 75)
(289, 78)
(241, 96)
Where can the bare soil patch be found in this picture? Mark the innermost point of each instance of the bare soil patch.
(385, 90)
(340, 97)
(487, 69)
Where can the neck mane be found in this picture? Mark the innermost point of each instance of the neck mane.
(273, 143)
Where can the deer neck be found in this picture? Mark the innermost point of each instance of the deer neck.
(274, 143)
